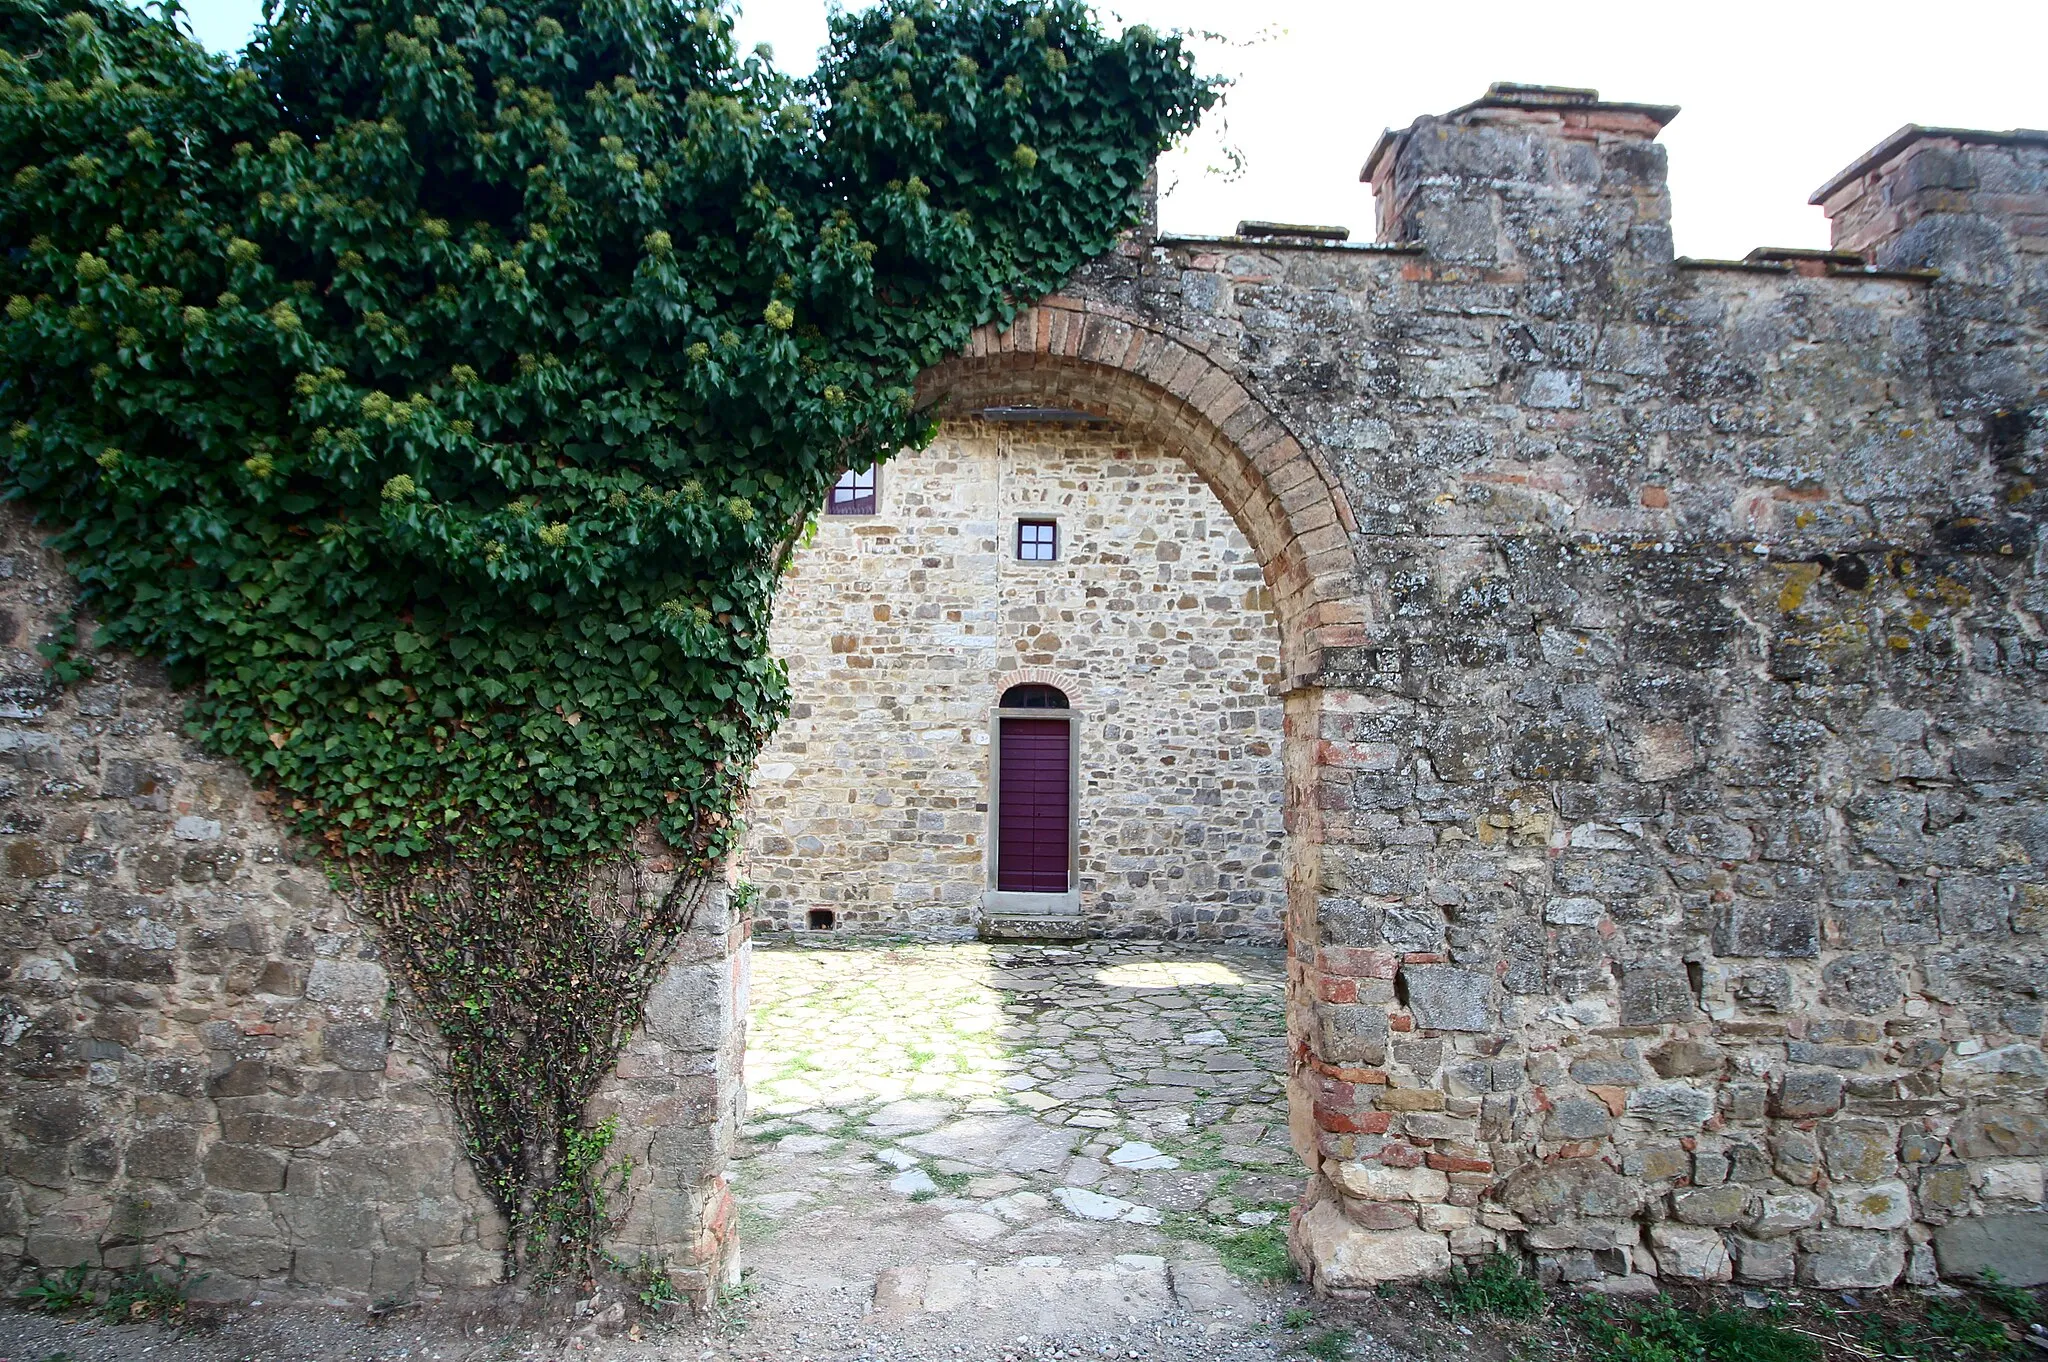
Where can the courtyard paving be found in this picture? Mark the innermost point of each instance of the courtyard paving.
(983, 1144)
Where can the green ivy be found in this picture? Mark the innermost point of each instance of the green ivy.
(439, 388)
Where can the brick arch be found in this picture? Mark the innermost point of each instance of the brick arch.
(1066, 683)
(1091, 357)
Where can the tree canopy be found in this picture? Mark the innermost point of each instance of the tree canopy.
(438, 386)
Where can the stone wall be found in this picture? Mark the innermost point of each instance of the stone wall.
(1662, 656)
(200, 1055)
(902, 629)
(1666, 838)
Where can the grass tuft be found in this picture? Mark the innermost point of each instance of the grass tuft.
(1496, 1287)
(1331, 1345)
(1665, 1331)
(1258, 1254)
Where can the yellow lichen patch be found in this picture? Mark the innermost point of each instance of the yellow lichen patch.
(1519, 818)
(1799, 578)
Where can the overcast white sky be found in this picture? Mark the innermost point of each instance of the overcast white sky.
(1777, 96)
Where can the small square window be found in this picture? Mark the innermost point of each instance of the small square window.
(1038, 541)
(853, 494)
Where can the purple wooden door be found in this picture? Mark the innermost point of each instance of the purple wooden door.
(1033, 808)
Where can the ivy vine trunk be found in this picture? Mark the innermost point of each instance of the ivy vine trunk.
(533, 1019)
(434, 388)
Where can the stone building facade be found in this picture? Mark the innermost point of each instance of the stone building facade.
(903, 629)
(1660, 653)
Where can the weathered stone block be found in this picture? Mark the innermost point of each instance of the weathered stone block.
(1614, 1068)
(1688, 1058)
(1570, 1189)
(2015, 1246)
(2011, 1182)
(1598, 1235)
(1763, 1260)
(2010, 1068)
(1410, 1099)
(1883, 1206)
(361, 1047)
(1744, 1101)
(333, 1269)
(1576, 1118)
(1671, 1106)
(1771, 928)
(245, 1168)
(329, 1222)
(167, 1153)
(1654, 1163)
(1722, 1205)
(464, 1265)
(1764, 988)
(1839, 1259)
(1691, 1254)
(1795, 1156)
(1781, 1213)
(123, 960)
(1352, 1033)
(239, 1254)
(1994, 1132)
(395, 1273)
(281, 1129)
(1443, 998)
(1858, 1150)
(690, 1006)
(1375, 1182)
(428, 1222)
(1944, 1190)
(1808, 1092)
(53, 1117)
(1866, 981)
(1579, 911)
(1343, 1257)
(1655, 991)
(348, 984)
(1382, 1215)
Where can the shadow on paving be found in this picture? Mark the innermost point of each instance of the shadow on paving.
(970, 1141)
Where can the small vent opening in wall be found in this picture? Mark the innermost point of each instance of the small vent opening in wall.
(823, 919)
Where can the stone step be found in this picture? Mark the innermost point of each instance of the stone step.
(1049, 1295)
(1032, 927)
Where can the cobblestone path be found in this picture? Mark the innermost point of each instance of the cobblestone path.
(966, 1143)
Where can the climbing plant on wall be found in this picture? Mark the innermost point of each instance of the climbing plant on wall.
(439, 387)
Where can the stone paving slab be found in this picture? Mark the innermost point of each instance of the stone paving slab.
(1008, 1137)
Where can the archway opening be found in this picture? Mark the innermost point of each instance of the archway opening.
(1169, 646)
